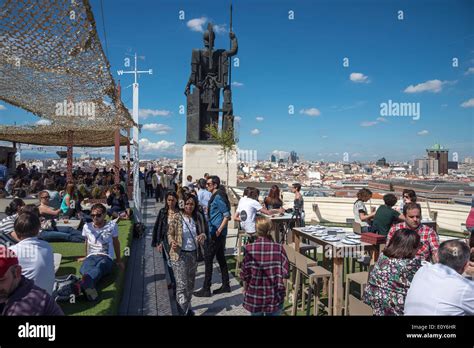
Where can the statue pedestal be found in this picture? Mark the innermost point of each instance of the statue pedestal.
(199, 159)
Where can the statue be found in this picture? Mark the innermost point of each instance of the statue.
(210, 73)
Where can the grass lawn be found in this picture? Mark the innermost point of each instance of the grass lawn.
(110, 288)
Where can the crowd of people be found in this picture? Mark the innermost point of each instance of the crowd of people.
(414, 263)
(415, 274)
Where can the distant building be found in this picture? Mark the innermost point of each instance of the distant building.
(347, 168)
(293, 157)
(381, 162)
(426, 166)
(452, 165)
(440, 154)
(273, 159)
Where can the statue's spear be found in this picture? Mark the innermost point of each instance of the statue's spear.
(230, 47)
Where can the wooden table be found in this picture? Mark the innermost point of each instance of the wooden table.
(71, 223)
(338, 253)
(277, 221)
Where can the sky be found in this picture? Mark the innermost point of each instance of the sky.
(292, 58)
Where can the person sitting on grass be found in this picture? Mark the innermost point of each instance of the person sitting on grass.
(386, 216)
(118, 201)
(70, 203)
(102, 246)
(19, 296)
(264, 269)
(52, 233)
(35, 255)
(7, 234)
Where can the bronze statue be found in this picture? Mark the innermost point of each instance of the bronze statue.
(210, 73)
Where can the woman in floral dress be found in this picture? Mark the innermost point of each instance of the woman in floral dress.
(392, 274)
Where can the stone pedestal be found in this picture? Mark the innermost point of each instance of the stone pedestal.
(199, 159)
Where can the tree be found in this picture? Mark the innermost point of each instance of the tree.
(225, 139)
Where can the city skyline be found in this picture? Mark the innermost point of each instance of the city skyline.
(398, 64)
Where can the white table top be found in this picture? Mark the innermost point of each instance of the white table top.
(341, 235)
(277, 217)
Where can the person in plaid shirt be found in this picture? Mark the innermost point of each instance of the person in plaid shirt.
(264, 269)
(428, 237)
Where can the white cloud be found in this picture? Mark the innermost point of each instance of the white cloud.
(2, 107)
(220, 29)
(259, 118)
(423, 132)
(310, 112)
(237, 84)
(162, 145)
(144, 113)
(433, 86)
(381, 119)
(468, 103)
(237, 118)
(43, 122)
(359, 78)
(469, 71)
(157, 128)
(255, 131)
(324, 136)
(197, 24)
(368, 123)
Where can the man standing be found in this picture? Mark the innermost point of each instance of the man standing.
(156, 183)
(219, 216)
(440, 289)
(3, 171)
(428, 237)
(18, 294)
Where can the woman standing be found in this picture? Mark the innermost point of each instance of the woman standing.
(273, 200)
(184, 235)
(361, 215)
(160, 231)
(392, 274)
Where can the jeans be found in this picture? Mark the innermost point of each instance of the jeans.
(62, 234)
(94, 268)
(165, 259)
(215, 248)
(159, 193)
(263, 314)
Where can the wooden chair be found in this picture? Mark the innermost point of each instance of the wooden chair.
(360, 278)
(357, 307)
(308, 269)
(356, 228)
(238, 258)
(290, 282)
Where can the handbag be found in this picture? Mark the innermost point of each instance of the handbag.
(200, 252)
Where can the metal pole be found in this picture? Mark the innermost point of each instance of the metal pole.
(117, 145)
(70, 142)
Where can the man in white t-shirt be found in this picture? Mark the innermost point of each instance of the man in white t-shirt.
(247, 211)
(440, 289)
(34, 255)
(102, 246)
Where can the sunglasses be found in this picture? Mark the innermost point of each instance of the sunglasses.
(209, 183)
(45, 197)
(96, 215)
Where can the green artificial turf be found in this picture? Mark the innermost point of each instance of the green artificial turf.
(110, 288)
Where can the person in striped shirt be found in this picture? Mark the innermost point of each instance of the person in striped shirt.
(428, 237)
(7, 234)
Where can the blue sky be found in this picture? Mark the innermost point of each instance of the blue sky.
(299, 62)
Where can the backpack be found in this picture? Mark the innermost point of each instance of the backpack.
(64, 287)
(139, 230)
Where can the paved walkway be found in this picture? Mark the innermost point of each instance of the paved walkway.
(146, 279)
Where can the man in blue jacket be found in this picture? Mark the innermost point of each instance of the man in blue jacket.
(219, 216)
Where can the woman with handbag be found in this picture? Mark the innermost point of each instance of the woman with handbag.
(160, 232)
(185, 234)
